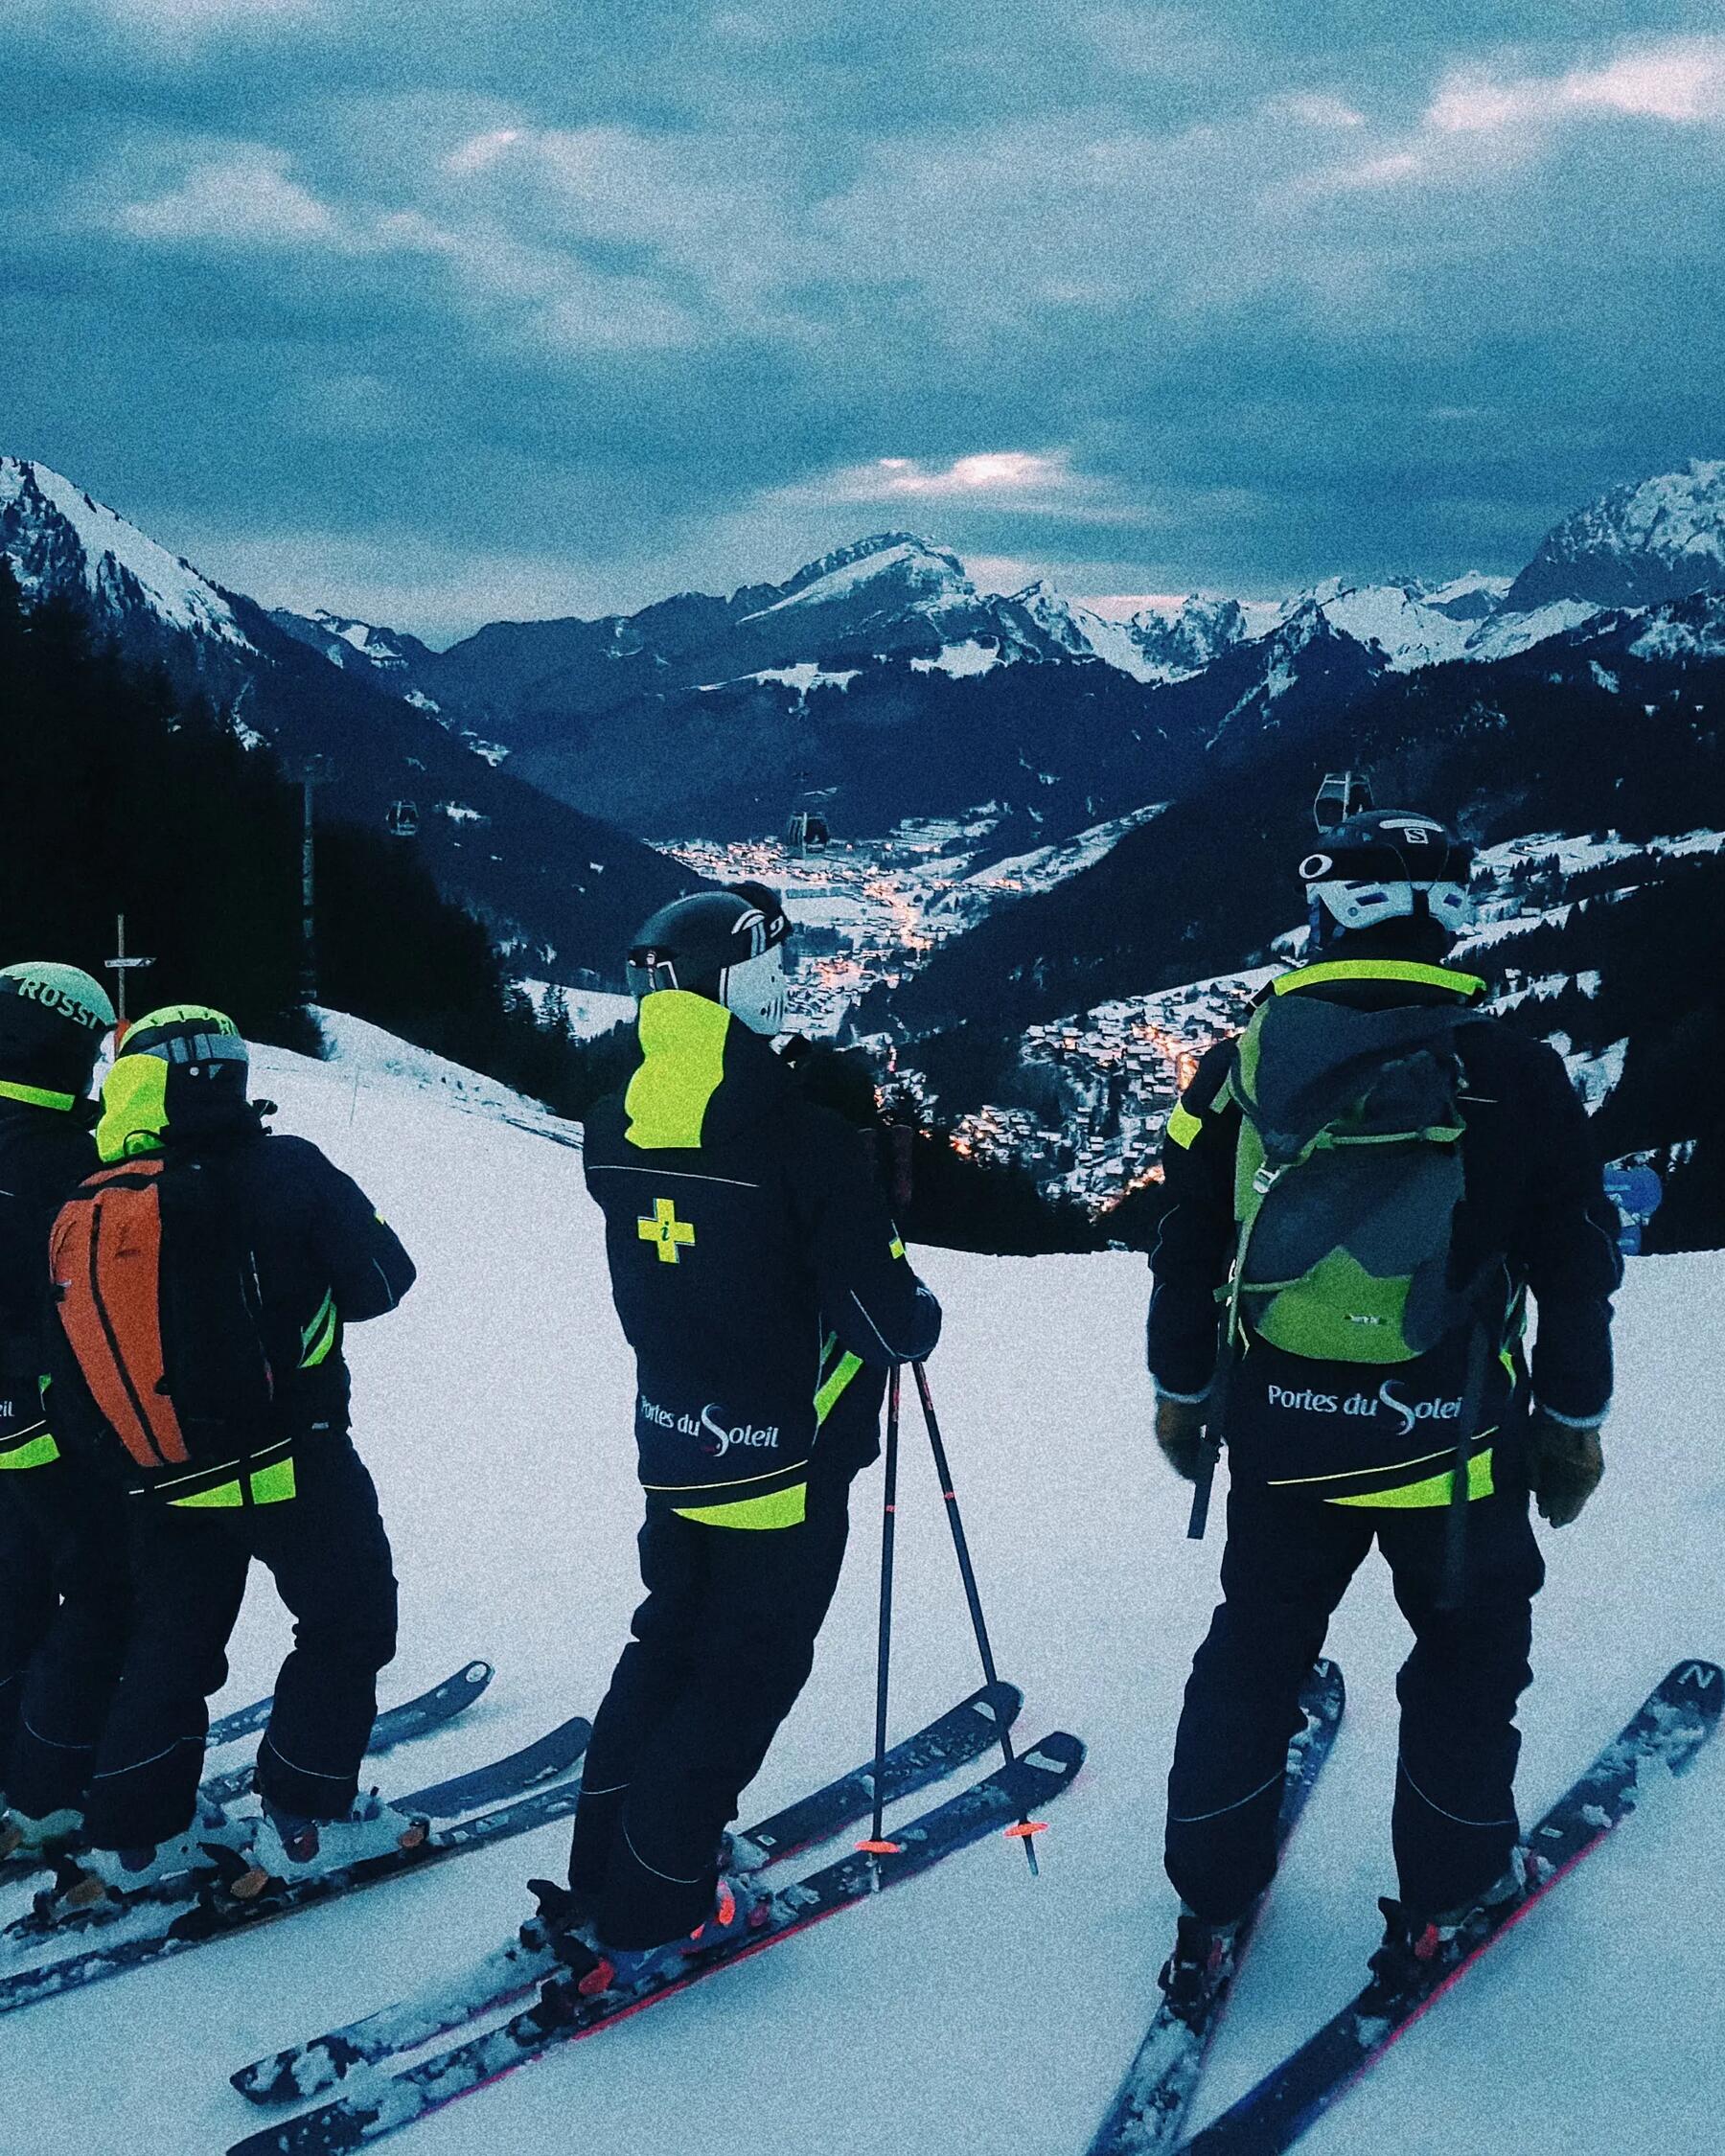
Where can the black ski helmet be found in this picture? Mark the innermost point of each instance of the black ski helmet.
(726, 945)
(52, 1021)
(1388, 865)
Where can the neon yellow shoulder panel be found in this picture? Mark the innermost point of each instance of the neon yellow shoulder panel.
(683, 1048)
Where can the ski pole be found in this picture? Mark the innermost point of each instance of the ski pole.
(1201, 1482)
(1205, 1480)
(1026, 1827)
(877, 1844)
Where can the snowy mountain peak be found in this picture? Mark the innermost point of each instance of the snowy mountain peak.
(1638, 545)
(347, 642)
(1402, 619)
(61, 541)
(1171, 645)
(907, 566)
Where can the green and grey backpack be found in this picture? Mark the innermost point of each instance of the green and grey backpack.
(1347, 1175)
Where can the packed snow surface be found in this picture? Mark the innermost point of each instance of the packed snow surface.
(973, 2012)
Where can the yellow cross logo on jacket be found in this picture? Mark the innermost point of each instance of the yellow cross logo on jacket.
(663, 1227)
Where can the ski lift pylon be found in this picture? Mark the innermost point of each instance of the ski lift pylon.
(1342, 795)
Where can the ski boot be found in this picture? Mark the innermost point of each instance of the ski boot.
(38, 1841)
(1197, 1971)
(213, 1848)
(560, 1913)
(1417, 1953)
(740, 1906)
(289, 1847)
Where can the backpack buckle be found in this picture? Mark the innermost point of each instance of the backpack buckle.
(1263, 1181)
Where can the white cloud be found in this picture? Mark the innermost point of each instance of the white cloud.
(987, 472)
(1319, 108)
(480, 153)
(1680, 80)
(242, 194)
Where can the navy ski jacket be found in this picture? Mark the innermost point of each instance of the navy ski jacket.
(45, 1151)
(753, 1261)
(323, 1258)
(1534, 1207)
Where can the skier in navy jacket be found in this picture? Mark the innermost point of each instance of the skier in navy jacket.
(757, 1272)
(289, 1489)
(1329, 1452)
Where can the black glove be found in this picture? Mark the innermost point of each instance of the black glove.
(1564, 1467)
(1179, 1432)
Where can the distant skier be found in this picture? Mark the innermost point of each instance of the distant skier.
(757, 1270)
(1367, 1184)
(64, 1603)
(204, 1276)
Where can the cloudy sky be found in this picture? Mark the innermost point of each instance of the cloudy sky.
(442, 309)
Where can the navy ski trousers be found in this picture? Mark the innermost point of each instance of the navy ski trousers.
(66, 1608)
(1288, 1562)
(722, 1646)
(331, 1560)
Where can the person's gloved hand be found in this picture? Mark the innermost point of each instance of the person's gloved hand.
(1179, 1432)
(1564, 1467)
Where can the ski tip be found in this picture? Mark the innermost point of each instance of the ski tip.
(478, 1674)
(999, 1702)
(1697, 1689)
(1058, 1753)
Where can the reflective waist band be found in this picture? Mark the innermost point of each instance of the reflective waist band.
(784, 1508)
(33, 1447)
(1434, 1490)
(265, 1477)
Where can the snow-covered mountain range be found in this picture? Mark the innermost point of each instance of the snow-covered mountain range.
(60, 540)
(884, 675)
(1661, 538)
(565, 887)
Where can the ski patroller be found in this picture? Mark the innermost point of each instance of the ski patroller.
(1672, 1726)
(560, 2016)
(512, 1787)
(1150, 2106)
(304, 2070)
(395, 1725)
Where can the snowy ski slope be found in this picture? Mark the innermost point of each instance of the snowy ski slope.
(974, 2013)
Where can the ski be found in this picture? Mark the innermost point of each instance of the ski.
(1150, 2107)
(306, 2070)
(512, 1787)
(395, 1725)
(1672, 1725)
(561, 2016)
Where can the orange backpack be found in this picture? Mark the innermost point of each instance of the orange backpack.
(158, 1298)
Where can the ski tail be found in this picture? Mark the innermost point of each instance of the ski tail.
(1151, 2103)
(560, 2016)
(1671, 1728)
(395, 1725)
(964, 1734)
